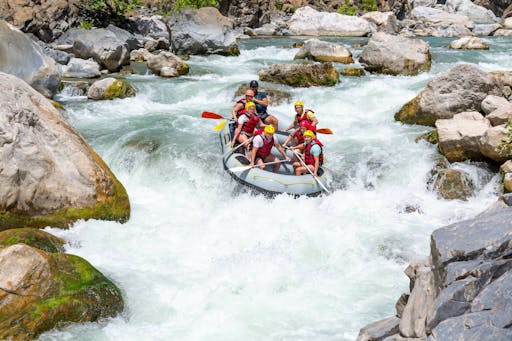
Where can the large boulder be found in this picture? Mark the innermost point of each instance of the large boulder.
(453, 184)
(438, 23)
(485, 29)
(148, 26)
(459, 137)
(462, 88)
(477, 14)
(81, 68)
(490, 143)
(502, 33)
(491, 103)
(166, 64)
(40, 291)
(110, 88)
(20, 56)
(202, 31)
(395, 55)
(323, 51)
(469, 43)
(309, 22)
(301, 75)
(501, 115)
(49, 174)
(33, 237)
(383, 21)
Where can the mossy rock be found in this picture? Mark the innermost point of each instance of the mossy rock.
(119, 89)
(33, 237)
(453, 184)
(430, 137)
(64, 289)
(353, 72)
(301, 75)
(410, 113)
(57, 105)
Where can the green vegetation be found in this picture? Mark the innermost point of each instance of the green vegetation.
(368, 5)
(505, 146)
(101, 12)
(279, 5)
(87, 24)
(166, 7)
(347, 9)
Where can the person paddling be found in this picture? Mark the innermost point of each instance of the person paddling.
(261, 101)
(301, 115)
(297, 137)
(247, 123)
(313, 154)
(239, 107)
(262, 148)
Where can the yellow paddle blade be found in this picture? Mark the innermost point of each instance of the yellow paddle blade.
(220, 126)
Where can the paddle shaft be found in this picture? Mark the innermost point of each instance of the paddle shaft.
(240, 145)
(309, 170)
(243, 168)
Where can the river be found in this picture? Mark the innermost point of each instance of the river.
(202, 258)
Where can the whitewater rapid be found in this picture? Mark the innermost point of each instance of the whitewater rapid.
(202, 258)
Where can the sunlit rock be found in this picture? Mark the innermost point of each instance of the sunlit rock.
(323, 51)
(301, 75)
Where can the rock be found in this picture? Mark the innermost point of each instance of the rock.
(40, 291)
(308, 22)
(477, 14)
(174, 66)
(474, 326)
(81, 68)
(496, 297)
(506, 171)
(148, 26)
(103, 46)
(60, 57)
(491, 103)
(248, 13)
(425, 3)
(352, 72)
(469, 43)
(110, 88)
(379, 330)
(25, 59)
(462, 88)
(395, 55)
(33, 237)
(490, 142)
(485, 29)
(439, 23)
(202, 31)
(275, 96)
(501, 115)
(323, 51)
(131, 41)
(459, 137)
(140, 55)
(50, 176)
(431, 137)
(453, 184)
(502, 33)
(503, 77)
(385, 21)
(266, 30)
(400, 304)
(507, 23)
(413, 321)
(74, 87)
(301, 75)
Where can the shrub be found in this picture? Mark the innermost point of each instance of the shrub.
(347, 9)
(505, 146)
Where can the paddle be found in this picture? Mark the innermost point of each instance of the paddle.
(243, 168)
(309, 170)
(326, 131)
(240, 145)
(220, 126)
(208, 114)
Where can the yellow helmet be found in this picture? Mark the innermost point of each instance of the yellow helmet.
(309, 133)
(269, 129)
(249, 104)
(299, 104)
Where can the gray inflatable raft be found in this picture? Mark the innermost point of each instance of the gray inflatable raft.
(266, 181)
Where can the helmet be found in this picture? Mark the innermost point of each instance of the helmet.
(253, 83)
(269, 129)
(304, 123)
(249, 104)
(309, 133)
(249, 93)
(299, 104)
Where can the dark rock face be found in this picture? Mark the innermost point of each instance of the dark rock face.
(253, 13)
(472, 282)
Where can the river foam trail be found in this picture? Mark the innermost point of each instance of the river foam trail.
(204, 259)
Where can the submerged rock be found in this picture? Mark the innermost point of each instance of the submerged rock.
(301, 75)
(40, 291)
(49, 175)
(453, 184)
(110, 88)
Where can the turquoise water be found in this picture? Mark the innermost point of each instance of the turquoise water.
(202, 258)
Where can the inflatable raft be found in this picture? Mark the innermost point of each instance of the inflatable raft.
(266, 181)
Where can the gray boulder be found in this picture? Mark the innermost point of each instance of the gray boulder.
(323, 51)
(166, 64)
(473, 326)
(49, 175)
(462, 88)
(307, 21)
(81, 68)
(502, 33)
(477, 14)
(469, 43)
(202, 31)
(149, 26)
(379, 330)
(395, 55)
(485, 29)
(301, 75)
(21, 57)
(383, 21)
(439, 23)
(491, 103)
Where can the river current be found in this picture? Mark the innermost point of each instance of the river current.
(202, 258)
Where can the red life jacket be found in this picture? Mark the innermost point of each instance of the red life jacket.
(299, 136)
(249, 126)
(310, 159)
(241, 111)
(265, 150)
(303, 117)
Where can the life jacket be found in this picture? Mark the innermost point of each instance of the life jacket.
(299, 137)
(241, 111)
(310, 159)
(303, 117)
(265, 150)
(249, 126)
